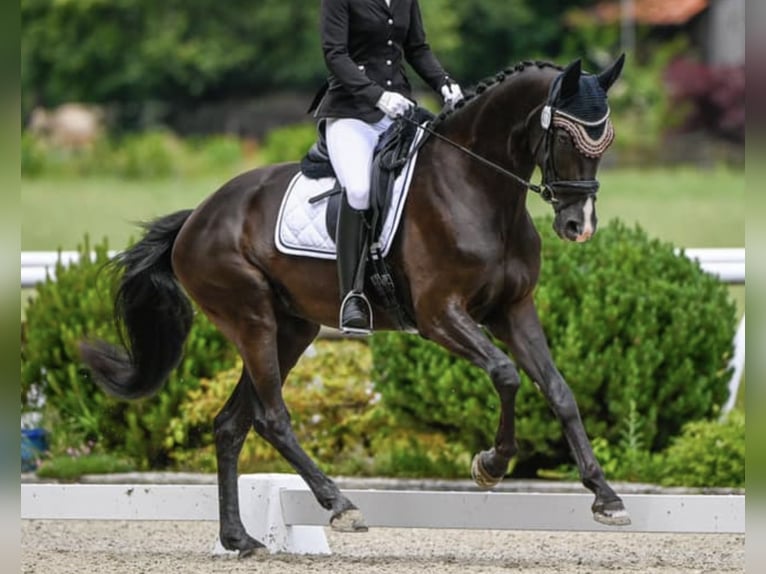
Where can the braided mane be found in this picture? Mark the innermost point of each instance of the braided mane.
(484, 85)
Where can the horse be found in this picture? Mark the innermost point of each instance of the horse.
(465, 262)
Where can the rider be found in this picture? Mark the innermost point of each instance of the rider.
(363, 43)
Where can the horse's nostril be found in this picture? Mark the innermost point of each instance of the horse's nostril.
(574, 227)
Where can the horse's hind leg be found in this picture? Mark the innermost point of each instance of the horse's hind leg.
(231, 426)
(233, 423)
(525, 338)
(270, 350)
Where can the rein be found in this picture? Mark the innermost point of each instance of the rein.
(551, 118)
(543, 190)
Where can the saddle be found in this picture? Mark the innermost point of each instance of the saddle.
(391, 155)
(389, 158)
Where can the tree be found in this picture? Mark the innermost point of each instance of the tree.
(131, 51)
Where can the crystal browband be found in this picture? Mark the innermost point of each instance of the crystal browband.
(587, 145)
(578, 130)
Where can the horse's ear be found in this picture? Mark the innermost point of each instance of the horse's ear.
(610, 75)
(570, 79)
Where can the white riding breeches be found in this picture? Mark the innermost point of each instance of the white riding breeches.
(350, 144)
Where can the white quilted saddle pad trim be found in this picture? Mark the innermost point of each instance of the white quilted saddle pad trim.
(301, 228)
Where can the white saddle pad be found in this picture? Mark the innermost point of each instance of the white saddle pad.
(301, 228)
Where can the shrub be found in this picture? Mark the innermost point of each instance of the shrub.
(706, 454)
(336, 414)
(714, 94)
(152, 154)
(628, 321)
(627, 460)
(78, 305)
(33, 155)
(643, 109)
(216, 153)
(288, 144)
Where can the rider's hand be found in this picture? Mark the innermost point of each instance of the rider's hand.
(394, 104)
(452, 94)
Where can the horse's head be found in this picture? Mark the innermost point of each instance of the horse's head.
(576, 131)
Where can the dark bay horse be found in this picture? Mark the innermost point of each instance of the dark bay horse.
(466, 258)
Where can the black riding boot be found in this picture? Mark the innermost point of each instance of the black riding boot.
(351, 245)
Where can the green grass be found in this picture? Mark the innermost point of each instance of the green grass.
(689, 207)
(58, 213)
(66, 467)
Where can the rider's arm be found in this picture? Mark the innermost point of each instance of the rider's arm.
(418, 53)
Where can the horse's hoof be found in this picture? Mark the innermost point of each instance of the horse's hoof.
(480, 476)
(253, 551)
(611, 514)
(243, 544)
(350, 520)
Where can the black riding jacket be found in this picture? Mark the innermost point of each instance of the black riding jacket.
(364, 43)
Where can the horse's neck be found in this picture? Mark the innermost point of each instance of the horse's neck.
(499, 130)
(494, 126)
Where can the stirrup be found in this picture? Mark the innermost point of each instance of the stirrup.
(350, 330)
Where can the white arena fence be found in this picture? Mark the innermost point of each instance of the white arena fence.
(728, 264)
(279, 509)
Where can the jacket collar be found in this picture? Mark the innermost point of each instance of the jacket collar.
(388, 8)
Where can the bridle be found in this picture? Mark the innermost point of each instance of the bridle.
(558, 192)
(563, 192)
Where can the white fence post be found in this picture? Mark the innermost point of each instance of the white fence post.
(737, 363)
(260, 503)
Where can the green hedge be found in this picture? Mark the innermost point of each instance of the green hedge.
(628, 322)
(289, 143)
(78, 305)
(706, 454)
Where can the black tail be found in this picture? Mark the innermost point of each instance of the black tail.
(155, 314)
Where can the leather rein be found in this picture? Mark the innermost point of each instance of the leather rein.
(551, 190)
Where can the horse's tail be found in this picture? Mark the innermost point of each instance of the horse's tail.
(152, 314)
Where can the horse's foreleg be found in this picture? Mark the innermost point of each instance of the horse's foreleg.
(272, 419)
(231, 426)
(526, 341)
(458, 332)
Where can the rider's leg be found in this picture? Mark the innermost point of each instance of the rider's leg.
(351, 241)
(350, 144)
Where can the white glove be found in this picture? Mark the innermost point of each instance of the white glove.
(394, 104)
(452, 94)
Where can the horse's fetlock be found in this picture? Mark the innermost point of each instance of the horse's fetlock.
(592, 475)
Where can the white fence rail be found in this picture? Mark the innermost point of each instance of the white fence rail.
(37, 265)
(281, 511)
(727, 264)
